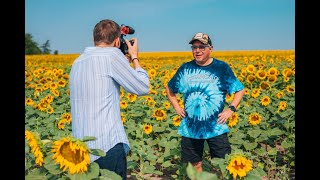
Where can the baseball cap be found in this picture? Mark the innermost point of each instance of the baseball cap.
(204, 38)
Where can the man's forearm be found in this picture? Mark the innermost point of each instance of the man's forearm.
(237, 98)
(172, 97)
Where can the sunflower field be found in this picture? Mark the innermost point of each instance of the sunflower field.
(262, 131)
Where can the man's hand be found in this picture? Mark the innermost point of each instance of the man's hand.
(224, 116)
(132, 49)
(180, 111)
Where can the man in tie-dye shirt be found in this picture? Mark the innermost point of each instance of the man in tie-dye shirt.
(204, 83)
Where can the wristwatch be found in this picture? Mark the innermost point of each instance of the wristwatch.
(233, 108)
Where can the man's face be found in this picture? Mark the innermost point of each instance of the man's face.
(201, 52)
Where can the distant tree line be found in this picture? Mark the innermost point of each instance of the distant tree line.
(32, 47)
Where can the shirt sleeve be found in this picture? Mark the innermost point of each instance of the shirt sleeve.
(233, 82)
(132, 80)
(174, 82)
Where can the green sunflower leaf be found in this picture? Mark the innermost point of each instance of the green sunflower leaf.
(35, 177)
(97, 152)
(51, 166)
(89, 138)
(109, 175)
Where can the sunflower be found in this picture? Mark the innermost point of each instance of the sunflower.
(35, 148)
(148, 98)
(71, 154)
(27, 74)
(49, 98)
(164, 92)
(156, 66)
(159, 114)
(250, 68)
(42, 106)
(261, 66)
(272, 78)
(282, 106)
(233, 119)
(240, 79)
(290, 88)
(251, 78)
(35, 74)
(53, 85)
(180, 100)
(264, 85)
(37, 90)
(152, 73)
(131, 97)
(60, 71)
(153, 92)
(61, 123)
(261, 74)
(239, 166)
(29, 102)
(67, 116)
(165, 82)
(50, 109)
(286, 79)
(66, 76)
(243, 73)
(166, 104)
(273, 71)
(246, 91)
(55, 92)
(123, 104)
(57, 75)
(68, 92)
(42, 81)
(279, 94)
(151, 103)
(121, 93)
(254, 118)
(123, 118)
(49, 72)
(62, 83)
(45, 86)
(287, 72)
(176, 120)
(229, 98)
(265, 100)
(255, 93)
(147, 128)
(49, 79)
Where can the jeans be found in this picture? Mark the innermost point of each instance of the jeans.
(115, 160)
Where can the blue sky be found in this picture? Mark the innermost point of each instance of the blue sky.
(165, 25)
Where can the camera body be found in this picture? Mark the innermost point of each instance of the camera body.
(124, 31)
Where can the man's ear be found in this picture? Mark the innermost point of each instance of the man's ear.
(117, 42)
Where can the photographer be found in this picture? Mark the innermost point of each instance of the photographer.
(95, 80)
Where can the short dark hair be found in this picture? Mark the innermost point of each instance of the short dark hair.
(106, 31)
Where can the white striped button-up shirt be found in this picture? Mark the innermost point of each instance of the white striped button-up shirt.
(95, 80)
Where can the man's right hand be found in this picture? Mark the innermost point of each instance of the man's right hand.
(133, 49)
(180, 111)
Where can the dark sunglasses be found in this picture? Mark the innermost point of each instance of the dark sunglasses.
(201, 47)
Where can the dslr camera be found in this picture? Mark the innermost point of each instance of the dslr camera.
(124, 31)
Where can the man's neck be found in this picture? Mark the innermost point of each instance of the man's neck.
(104, 45)
(209, 61)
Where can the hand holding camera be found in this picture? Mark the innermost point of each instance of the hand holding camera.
(128, 48)
(132, 49)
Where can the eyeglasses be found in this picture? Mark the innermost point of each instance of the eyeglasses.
(201, 47)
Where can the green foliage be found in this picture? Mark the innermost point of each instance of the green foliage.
(46, 47)
(270, 144)
(31, 47)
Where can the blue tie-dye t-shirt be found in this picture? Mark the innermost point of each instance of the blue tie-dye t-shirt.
(204, 90)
